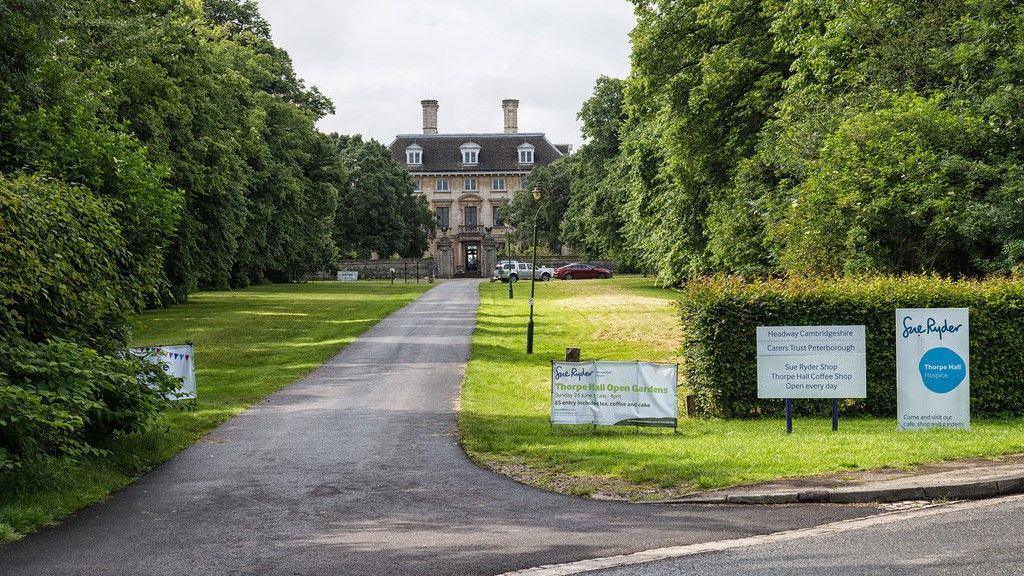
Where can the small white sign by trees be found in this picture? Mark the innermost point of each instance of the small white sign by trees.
(178, 361)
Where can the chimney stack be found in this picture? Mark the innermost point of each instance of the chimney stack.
(429, 116)
(511, 108)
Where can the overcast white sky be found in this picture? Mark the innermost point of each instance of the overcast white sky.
(376, 59)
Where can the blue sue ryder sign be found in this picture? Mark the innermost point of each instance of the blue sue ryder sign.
(614, 393)
(933, 378)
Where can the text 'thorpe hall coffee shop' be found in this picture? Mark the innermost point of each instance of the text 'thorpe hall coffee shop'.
(933, 384)
(793, 363)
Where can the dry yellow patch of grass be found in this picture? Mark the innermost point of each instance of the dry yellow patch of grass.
(611, 314)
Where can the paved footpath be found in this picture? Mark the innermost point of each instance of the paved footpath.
(355, 469)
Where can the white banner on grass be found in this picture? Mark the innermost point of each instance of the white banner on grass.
(178, 361)
(614, 393)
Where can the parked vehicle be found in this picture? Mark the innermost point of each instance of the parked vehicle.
(580, 271)
(514, 270)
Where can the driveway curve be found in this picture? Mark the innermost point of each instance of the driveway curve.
(356, 469)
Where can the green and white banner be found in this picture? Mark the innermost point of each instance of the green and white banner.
(614, 393)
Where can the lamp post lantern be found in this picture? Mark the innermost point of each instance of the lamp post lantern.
(533, 273)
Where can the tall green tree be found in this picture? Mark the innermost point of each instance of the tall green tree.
(377, 210)
(704, 78)
(523, 212)
(593, 220)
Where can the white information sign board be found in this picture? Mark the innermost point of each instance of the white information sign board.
(178, 361)
(614, 393)
(933, 377)
(348, 276)
(811, 362)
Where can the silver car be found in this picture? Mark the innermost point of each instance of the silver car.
(513, 270)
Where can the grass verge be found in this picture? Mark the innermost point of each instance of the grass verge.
(248, 343)
(506, 403)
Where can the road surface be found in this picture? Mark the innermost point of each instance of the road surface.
(355, 469)
(984, 539)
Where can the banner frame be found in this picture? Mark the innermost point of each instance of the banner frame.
(635, 422)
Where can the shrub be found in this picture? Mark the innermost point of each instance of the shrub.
(64, 384)
(721, 315)
(62, 399)
(59, 274)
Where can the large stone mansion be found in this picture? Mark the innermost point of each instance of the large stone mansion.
(466, 179)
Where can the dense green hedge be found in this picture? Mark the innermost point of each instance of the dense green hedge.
(60, 251)
(62, 399)
(721, 316)
(65, 384)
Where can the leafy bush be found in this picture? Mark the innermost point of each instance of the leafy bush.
(64, 321)
(62, 399)
(721, 316)
(59, 273)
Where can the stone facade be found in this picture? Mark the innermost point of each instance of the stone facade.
(466, 179)
(466, 219)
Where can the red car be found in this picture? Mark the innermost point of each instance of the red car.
(580, 271)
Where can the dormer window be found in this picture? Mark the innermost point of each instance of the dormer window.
(470, 153)
(414, 155)
(526, 154)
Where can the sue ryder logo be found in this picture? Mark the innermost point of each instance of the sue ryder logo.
(931, 326)
(575, 372)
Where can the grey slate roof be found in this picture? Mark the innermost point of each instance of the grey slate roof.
(498, 152)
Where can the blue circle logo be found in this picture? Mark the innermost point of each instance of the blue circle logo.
(942, 370)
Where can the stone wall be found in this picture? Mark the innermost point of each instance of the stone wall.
(426, 267)
(381, 269)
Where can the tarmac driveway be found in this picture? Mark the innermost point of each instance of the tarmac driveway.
(355, 469)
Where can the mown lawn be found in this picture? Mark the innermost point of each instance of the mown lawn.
(506, 403)
(248, 343)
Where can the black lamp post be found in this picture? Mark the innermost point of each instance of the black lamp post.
(508, 255)
(533, 273)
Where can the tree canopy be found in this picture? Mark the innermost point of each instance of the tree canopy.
(763, 137)
(196, 130)
(149, 149)
(377, 213)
